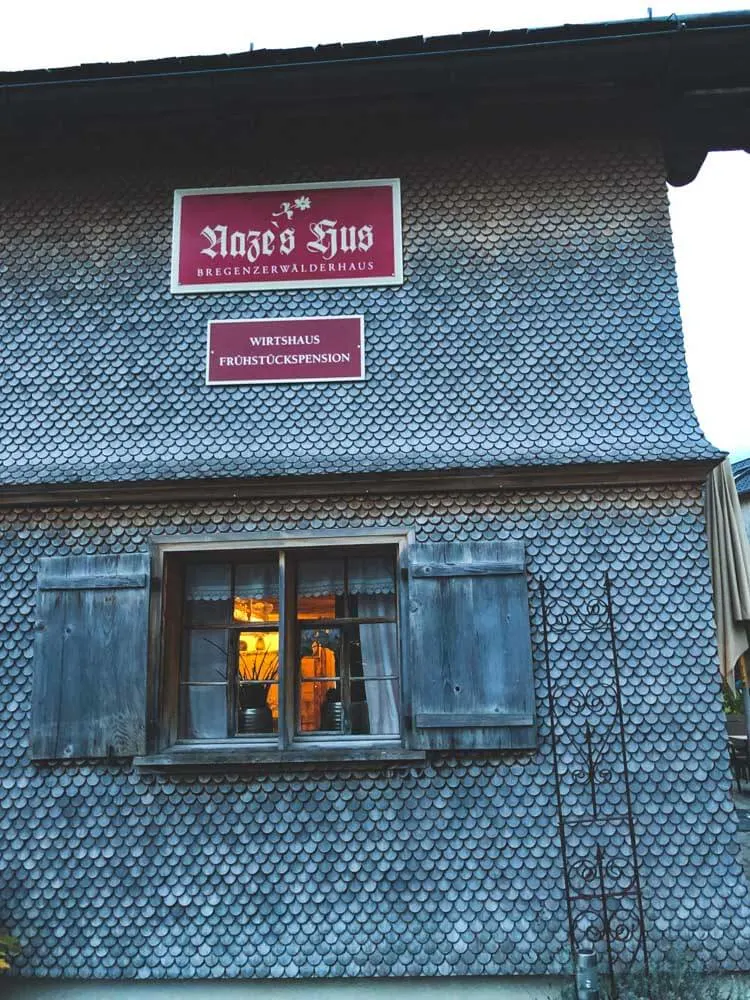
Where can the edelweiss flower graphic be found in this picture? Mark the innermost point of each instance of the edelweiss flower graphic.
(302, 203)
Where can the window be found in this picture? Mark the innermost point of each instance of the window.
(216, 651)
(288, 646)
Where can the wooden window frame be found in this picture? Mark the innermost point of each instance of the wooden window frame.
(165, 749)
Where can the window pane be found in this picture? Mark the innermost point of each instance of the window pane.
(258, 656)
(320, 707)
(203, 711)
(373, 662)
(380, 707)
(208, 594)
(331, 714)
(320, 587)
(374, 650)
(320, 651)
(320, 657)
(372, 575)
(373, 606)
(256, 591)
(258, 674)
(206, 655)
(258, 708)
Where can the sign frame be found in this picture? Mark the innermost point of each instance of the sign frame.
(285, 381)
(179, 288)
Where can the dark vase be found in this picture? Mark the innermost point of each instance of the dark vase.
(332, 717)
(255, 716)
(256, 720)
(253, 695)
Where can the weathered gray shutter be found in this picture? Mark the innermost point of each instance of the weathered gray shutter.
(468, 676)
(89, 692)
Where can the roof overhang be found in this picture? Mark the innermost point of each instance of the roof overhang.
(686, 80)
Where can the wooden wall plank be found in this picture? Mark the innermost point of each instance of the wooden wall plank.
(469, 647)
(89, 691)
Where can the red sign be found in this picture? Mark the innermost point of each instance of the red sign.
(292, 236)
(305, 349)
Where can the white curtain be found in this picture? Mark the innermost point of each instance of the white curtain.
(213, 581)
(380, 663)
(367, 575)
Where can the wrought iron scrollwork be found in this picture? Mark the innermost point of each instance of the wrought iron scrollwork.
(594, 702)
(596, 871)
(592, 784)
(594, 773)
(591, 616)
(615, 930)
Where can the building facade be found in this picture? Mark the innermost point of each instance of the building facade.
(173, 548)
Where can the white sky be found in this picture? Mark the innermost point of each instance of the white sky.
(711, 216)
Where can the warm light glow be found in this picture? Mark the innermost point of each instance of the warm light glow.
(259, 656)
(322, 663)
(322, 606)
(259, 661)
(251, 609)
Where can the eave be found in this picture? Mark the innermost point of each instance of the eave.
(686, 79)
(584, 476)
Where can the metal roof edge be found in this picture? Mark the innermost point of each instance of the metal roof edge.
(358, 53)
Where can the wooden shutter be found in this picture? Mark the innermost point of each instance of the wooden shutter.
(468, 676)
(89, 693)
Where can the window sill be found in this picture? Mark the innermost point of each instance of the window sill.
(225, 757)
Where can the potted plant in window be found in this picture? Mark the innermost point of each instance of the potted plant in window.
(258, 669)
